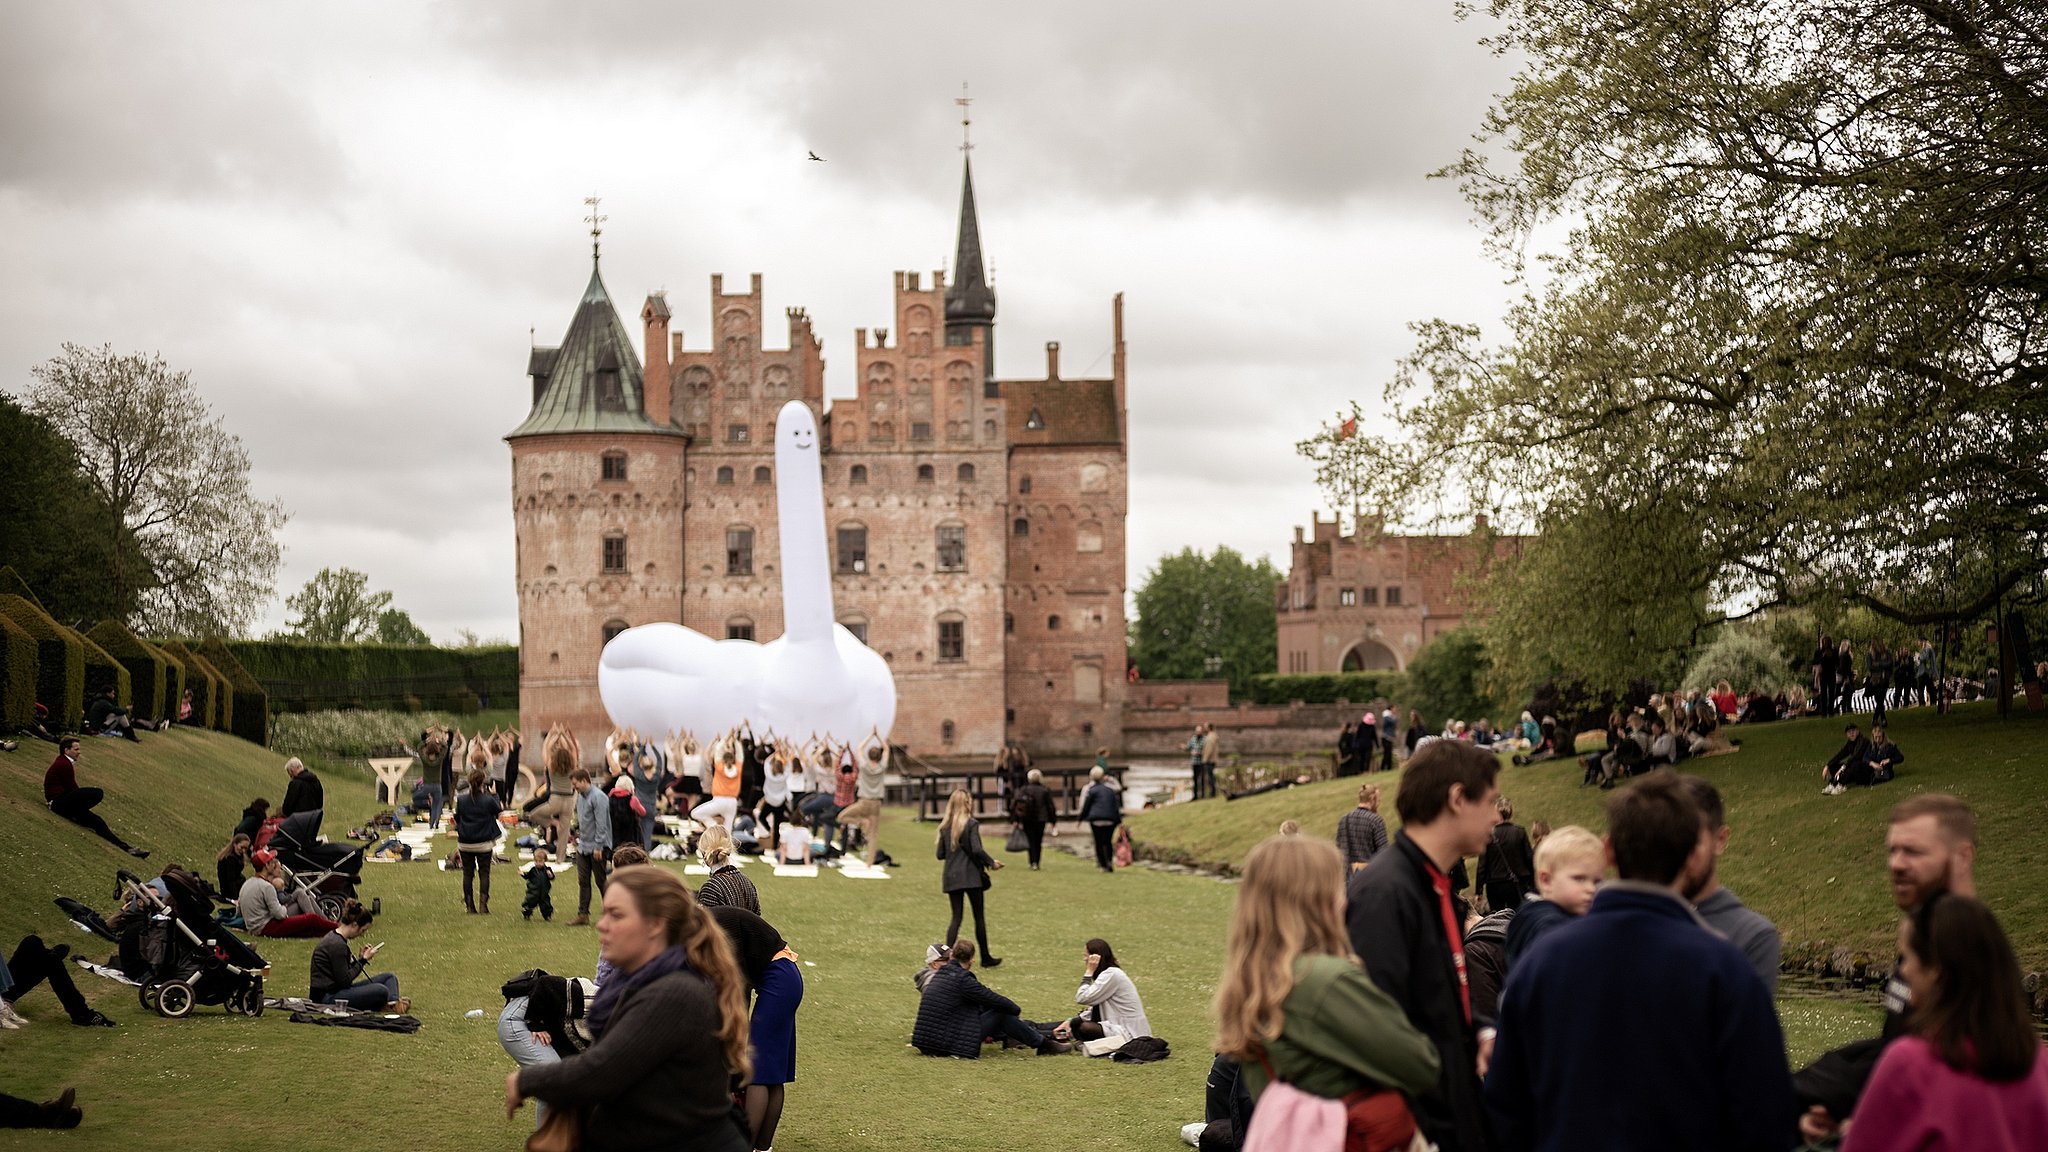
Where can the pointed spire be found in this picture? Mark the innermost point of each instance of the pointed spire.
(969, 299)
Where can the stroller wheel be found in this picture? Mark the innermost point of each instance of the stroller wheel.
(330, 906)
(174, 1000)
(147, 994)
(250, 1002)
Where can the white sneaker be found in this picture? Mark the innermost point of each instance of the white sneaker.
(1191, 1134)
(9, 1018)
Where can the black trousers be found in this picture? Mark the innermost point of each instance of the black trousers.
(1034, 835)
(588, 863)
(473, 863)
(77, 806)
(18, 1113)
(1825, 696)
(974, 897)
(32, 964)
(1386, 755)
(1504, 894)
(1104, 852)
(1004, 1026)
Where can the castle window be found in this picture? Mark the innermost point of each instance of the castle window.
(952, 547)
(1087, 684)
(1024, 486)
(614, 464)
(966, 474)
(1393, 596)
(925, 475)
(1020, 527)
(952, 638)
(1094, 477)
(739, 628)
(612, 628)
(1052, 623)
(920, 430)
(762, 475)
(615, 553)
(946, 731)
(1009, 624)
(735, 433)
(988, 429)
(1035, 422)
(1347, 597)
(725, 474)
(739, 551)
(853, 549)
(858, 474)
(858, 625)
(1088, 536)
(1369, 596)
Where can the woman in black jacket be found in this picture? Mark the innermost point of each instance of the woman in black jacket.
(670, 1029)
(476, 837)
(967, 869)
(253, 817)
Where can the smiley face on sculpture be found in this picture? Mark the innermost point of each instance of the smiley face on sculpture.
(816, 676)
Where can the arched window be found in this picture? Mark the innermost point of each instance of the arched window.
(952, 636)
(614, 465)
(946, 731)
(988, 429)
(858, 474)
(739, 628)
(856, 624)
(725, 474)
(925, 475)
(967, 474)
(761, 474)
(613, 628)
(1020, 527)
(1088, 536)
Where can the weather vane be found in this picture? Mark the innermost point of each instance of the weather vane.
(596, 223)
(966, 118)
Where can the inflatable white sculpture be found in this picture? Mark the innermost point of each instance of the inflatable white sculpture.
(814, 678)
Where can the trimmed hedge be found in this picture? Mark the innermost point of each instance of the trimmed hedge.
(303, 676)
(147, 671)
(17, 676)
(211, 696)
(1328, 687)
(174, 679)
(249, 716)
(60, 661)
(102, 672)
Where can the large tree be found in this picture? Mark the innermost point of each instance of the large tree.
(1195, 609)
(53, 525)
(1792, 348)
(175, 478)
(337, 607)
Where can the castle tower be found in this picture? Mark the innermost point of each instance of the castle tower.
(597, 487)
(970, 302)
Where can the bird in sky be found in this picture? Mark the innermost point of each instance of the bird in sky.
(815, 156)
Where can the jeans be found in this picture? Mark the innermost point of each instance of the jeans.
(376, 992)
(974, 897)
(77, 806)
(1004, 1026)
(435, 799)
(588, 863)
(1104, 852)
(519, 1044)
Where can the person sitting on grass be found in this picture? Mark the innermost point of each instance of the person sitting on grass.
(1849, 765)
(108, 718)
(185, 707)
(726, 884)
(65, 798)
(253, 817)
(1111, 999)
(32, 964)
(1568, 867)
(1885, 757)
(336, 976)
(795, 840)
(263, 914)
(230, 868)
(540, 887)
(957, 1011)
(61, 1112)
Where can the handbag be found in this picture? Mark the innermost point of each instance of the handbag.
(1367, 1120)
(561, 1131)
(1018, 841)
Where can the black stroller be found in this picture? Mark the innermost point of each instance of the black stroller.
(182, 958)
(328, 872)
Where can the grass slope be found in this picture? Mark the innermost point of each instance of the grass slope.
(1814, 864)
(233, 1083)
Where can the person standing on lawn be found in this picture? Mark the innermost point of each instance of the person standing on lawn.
(967, 868)
(1102, 809)
(65, 798)
(1033, 809)
(1361, 832)
(593, 841)
(1507, 866)
(476, 837)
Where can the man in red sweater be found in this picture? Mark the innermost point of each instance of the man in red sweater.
(62, 793)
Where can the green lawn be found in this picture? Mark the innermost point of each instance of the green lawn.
(266, 1083)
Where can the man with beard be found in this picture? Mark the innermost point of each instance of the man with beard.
(1931, 848)
(1745, 927)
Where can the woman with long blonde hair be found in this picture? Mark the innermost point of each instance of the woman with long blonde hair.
(1295, 1005)
(967, 869)
(670, 1027)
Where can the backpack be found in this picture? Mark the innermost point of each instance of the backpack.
(1368, 1120)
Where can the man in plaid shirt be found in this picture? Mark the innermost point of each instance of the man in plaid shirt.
(1362, 833)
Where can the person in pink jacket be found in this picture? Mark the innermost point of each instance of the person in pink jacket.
(1969, 1073)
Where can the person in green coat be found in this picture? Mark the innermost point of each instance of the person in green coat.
(1295, 1004)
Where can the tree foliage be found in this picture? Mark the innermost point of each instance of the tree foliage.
(1448, 679)
(56, 529)
(175, 478)
(337, 607)
(1792, 350)
(1193, 607)
(1747, 660)
(395, 626)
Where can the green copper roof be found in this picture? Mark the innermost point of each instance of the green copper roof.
(592, 383)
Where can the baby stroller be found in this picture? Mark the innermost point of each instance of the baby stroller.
(327, 872)
(179, 954)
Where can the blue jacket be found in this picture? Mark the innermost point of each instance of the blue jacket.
(593, 821)
(1101, 802)
(1636, 1026)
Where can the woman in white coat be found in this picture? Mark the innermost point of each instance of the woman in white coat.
(1113, 1007)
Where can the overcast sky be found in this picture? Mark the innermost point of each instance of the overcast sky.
(344, 220)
